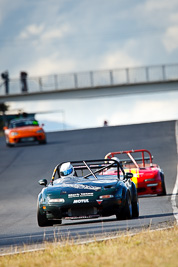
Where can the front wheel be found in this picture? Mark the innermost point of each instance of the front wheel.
(163, 185)
(8, 143)
(43, 142)
(126, 212)
(135, 209)
(57, 221)
(41, 219)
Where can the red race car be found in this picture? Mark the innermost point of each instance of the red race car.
(148, 177)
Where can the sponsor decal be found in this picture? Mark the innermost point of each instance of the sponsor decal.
(86, 194)
(81, 186)
(81, 201)
(80, 195)
(99, 201)
(73, 195)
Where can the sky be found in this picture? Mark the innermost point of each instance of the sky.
(67, 36)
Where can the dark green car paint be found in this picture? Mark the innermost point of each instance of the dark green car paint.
(86, 198)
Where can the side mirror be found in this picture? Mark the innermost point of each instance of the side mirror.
(43, 182)
(128, 175)
(5, 128)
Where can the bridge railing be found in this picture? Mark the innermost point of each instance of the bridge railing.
(93, 79)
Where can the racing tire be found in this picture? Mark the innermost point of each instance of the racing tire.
(126, 212)
(9, 145)
(57, 221)
(162, 185)
(135, 209)
(42, 142)
(135, 203)
(41, 218)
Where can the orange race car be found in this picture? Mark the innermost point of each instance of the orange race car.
(24, 130)
(148, 177)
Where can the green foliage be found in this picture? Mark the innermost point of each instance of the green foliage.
(3, 119)
(3, 107)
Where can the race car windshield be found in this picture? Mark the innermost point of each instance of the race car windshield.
(24, 123)
(95, 167)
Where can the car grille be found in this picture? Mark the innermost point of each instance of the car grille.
(78, 212)
(140, 190)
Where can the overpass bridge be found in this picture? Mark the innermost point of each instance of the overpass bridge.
(92, 84)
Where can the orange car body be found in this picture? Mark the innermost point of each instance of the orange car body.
(24, 130)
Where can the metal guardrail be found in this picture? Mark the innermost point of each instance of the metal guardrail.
(94, 79)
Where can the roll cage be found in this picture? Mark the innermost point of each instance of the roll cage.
(90, 167)
(146, 157)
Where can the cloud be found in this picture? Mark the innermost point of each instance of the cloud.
(8, 7)
(170, 39)
(71, 36)
(119, 58)
(118, 110)
(40, 32)
(147, 109)
(160, 5)
(65, 36)
(56, 33)
(52, 64)
(174, 18)
(31, 30)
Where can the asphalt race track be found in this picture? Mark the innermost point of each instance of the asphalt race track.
(21, 167)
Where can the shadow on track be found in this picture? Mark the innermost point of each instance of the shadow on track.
(156, 215)
(153, 196)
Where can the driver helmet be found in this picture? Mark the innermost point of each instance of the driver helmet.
(66, 170)
(116, 159)
(120, 163)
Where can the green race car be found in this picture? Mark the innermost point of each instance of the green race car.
(83, 191)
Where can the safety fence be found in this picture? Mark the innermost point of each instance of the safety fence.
(90, 79)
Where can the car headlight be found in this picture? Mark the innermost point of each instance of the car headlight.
(40, 131)
(14, 133)
(56, 200)
(106, 196)
(149, 180)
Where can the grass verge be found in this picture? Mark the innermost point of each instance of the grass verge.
(157, 248)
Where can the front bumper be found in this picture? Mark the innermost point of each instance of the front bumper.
(153, 187)
(26, 139)
(84, 210)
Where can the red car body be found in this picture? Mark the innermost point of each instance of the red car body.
(148, 177)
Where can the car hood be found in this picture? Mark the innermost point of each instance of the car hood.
(83, 185)
(32, 129)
